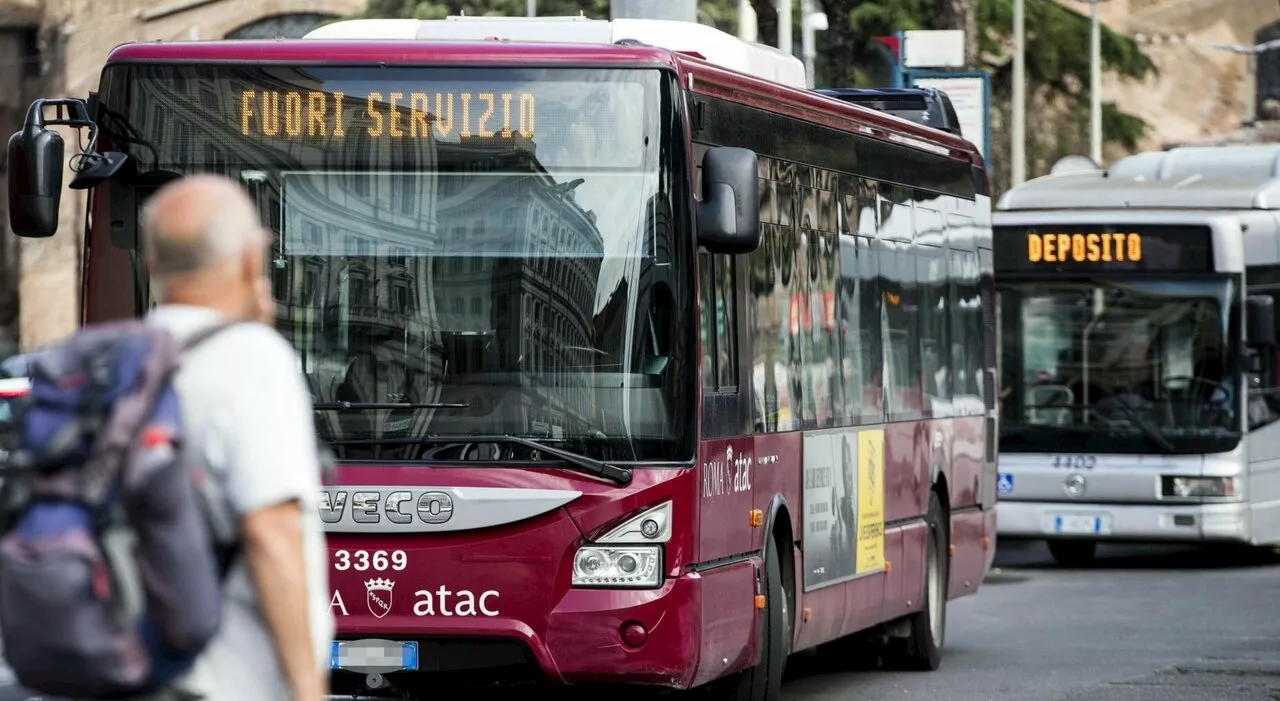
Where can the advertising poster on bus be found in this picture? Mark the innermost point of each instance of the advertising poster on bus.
(870, 501)
(830, 505)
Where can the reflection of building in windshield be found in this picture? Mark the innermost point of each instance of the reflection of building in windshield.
(409, 270)
(520, 293)
(356, 307)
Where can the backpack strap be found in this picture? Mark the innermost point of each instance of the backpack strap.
(209, 332)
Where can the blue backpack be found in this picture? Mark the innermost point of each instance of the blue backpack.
(114, 539)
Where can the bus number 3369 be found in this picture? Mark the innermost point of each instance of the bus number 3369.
(378, 561)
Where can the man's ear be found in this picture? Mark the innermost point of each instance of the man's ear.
(251, 266)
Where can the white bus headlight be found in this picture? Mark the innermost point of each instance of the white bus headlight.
(629, 556)
(618, 566)
(1200, 487)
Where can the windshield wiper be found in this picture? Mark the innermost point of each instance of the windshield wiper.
(582, 463)
(354, 406)
(1143, 425)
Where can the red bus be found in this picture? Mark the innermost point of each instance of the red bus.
(638, 368)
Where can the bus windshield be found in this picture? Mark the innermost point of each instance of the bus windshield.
(1119, 366)
(458, 251)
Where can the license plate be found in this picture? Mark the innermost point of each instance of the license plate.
(1081, 524)
(370, 656)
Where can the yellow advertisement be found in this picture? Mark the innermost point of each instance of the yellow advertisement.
(870, 501)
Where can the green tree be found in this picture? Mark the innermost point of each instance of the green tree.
(1057, 61)
(720, 13)
(766, 22)
(1057, 56)
(1057, 66)
(438, 9)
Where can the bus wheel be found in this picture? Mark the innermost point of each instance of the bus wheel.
(764, 681)
(1072, 553)
(922, 648)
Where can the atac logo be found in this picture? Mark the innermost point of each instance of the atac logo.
(379, 596)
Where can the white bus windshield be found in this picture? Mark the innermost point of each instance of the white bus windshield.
(1119, 365)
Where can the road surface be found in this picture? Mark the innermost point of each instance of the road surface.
(1143, 624)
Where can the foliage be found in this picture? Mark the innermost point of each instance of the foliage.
(1057, 61)
(1122, 127)
(1057, 53)
(1058, 44)
(438, 9)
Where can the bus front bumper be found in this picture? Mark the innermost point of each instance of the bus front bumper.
(590, 637)
(1124, 522)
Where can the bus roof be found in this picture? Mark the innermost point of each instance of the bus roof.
(1234, 177)
(690, 38)
(696, 72)
(391, 52)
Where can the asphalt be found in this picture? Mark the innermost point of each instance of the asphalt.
(1141, 624)
(1167, 624)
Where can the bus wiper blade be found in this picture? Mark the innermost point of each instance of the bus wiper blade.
(1147, 428)
(591, 466)
(356, 406)
(620, 475)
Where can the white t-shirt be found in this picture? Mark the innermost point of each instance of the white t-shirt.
(247, 406)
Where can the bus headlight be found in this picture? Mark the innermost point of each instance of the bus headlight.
(1200, 487)
(629, 556)
(618, 566)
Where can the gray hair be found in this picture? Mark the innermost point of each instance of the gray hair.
(223, 224)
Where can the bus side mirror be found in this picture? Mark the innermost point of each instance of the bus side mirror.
(1259, 320)
(35, 181)
(729, 213)
(36, 162)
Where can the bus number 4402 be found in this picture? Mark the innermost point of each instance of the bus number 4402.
(1075, 462)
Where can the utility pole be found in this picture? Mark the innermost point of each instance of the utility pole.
(531, 8)
(1250, 54)
(1018, 129)
(747, 30)
(811, 22)
(784, 25)
(1095, 85)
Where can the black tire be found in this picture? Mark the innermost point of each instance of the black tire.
(1073, 553)
(764, 681)
(921, 650)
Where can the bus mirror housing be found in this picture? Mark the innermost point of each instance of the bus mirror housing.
(35, 162)
(729, 213)
(35, 181)
(1260, 320)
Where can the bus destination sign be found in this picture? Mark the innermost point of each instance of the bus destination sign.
(1077, 249)
(1080, 248)
(284, 114)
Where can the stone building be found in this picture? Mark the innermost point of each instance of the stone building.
(1201, 92)
(58, 48)
(20, 39)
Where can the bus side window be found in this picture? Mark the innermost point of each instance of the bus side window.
(1263, 394)
(719, 323)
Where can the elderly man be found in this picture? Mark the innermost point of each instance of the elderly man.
(249, 412)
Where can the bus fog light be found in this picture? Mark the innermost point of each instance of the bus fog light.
(1200, 487)
(633, 566)
(634, 634)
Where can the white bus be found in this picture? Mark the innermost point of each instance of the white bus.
(1139, 392)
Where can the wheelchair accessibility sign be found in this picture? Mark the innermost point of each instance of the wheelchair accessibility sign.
(1004, 483)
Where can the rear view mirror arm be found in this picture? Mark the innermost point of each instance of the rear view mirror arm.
(92, 167)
